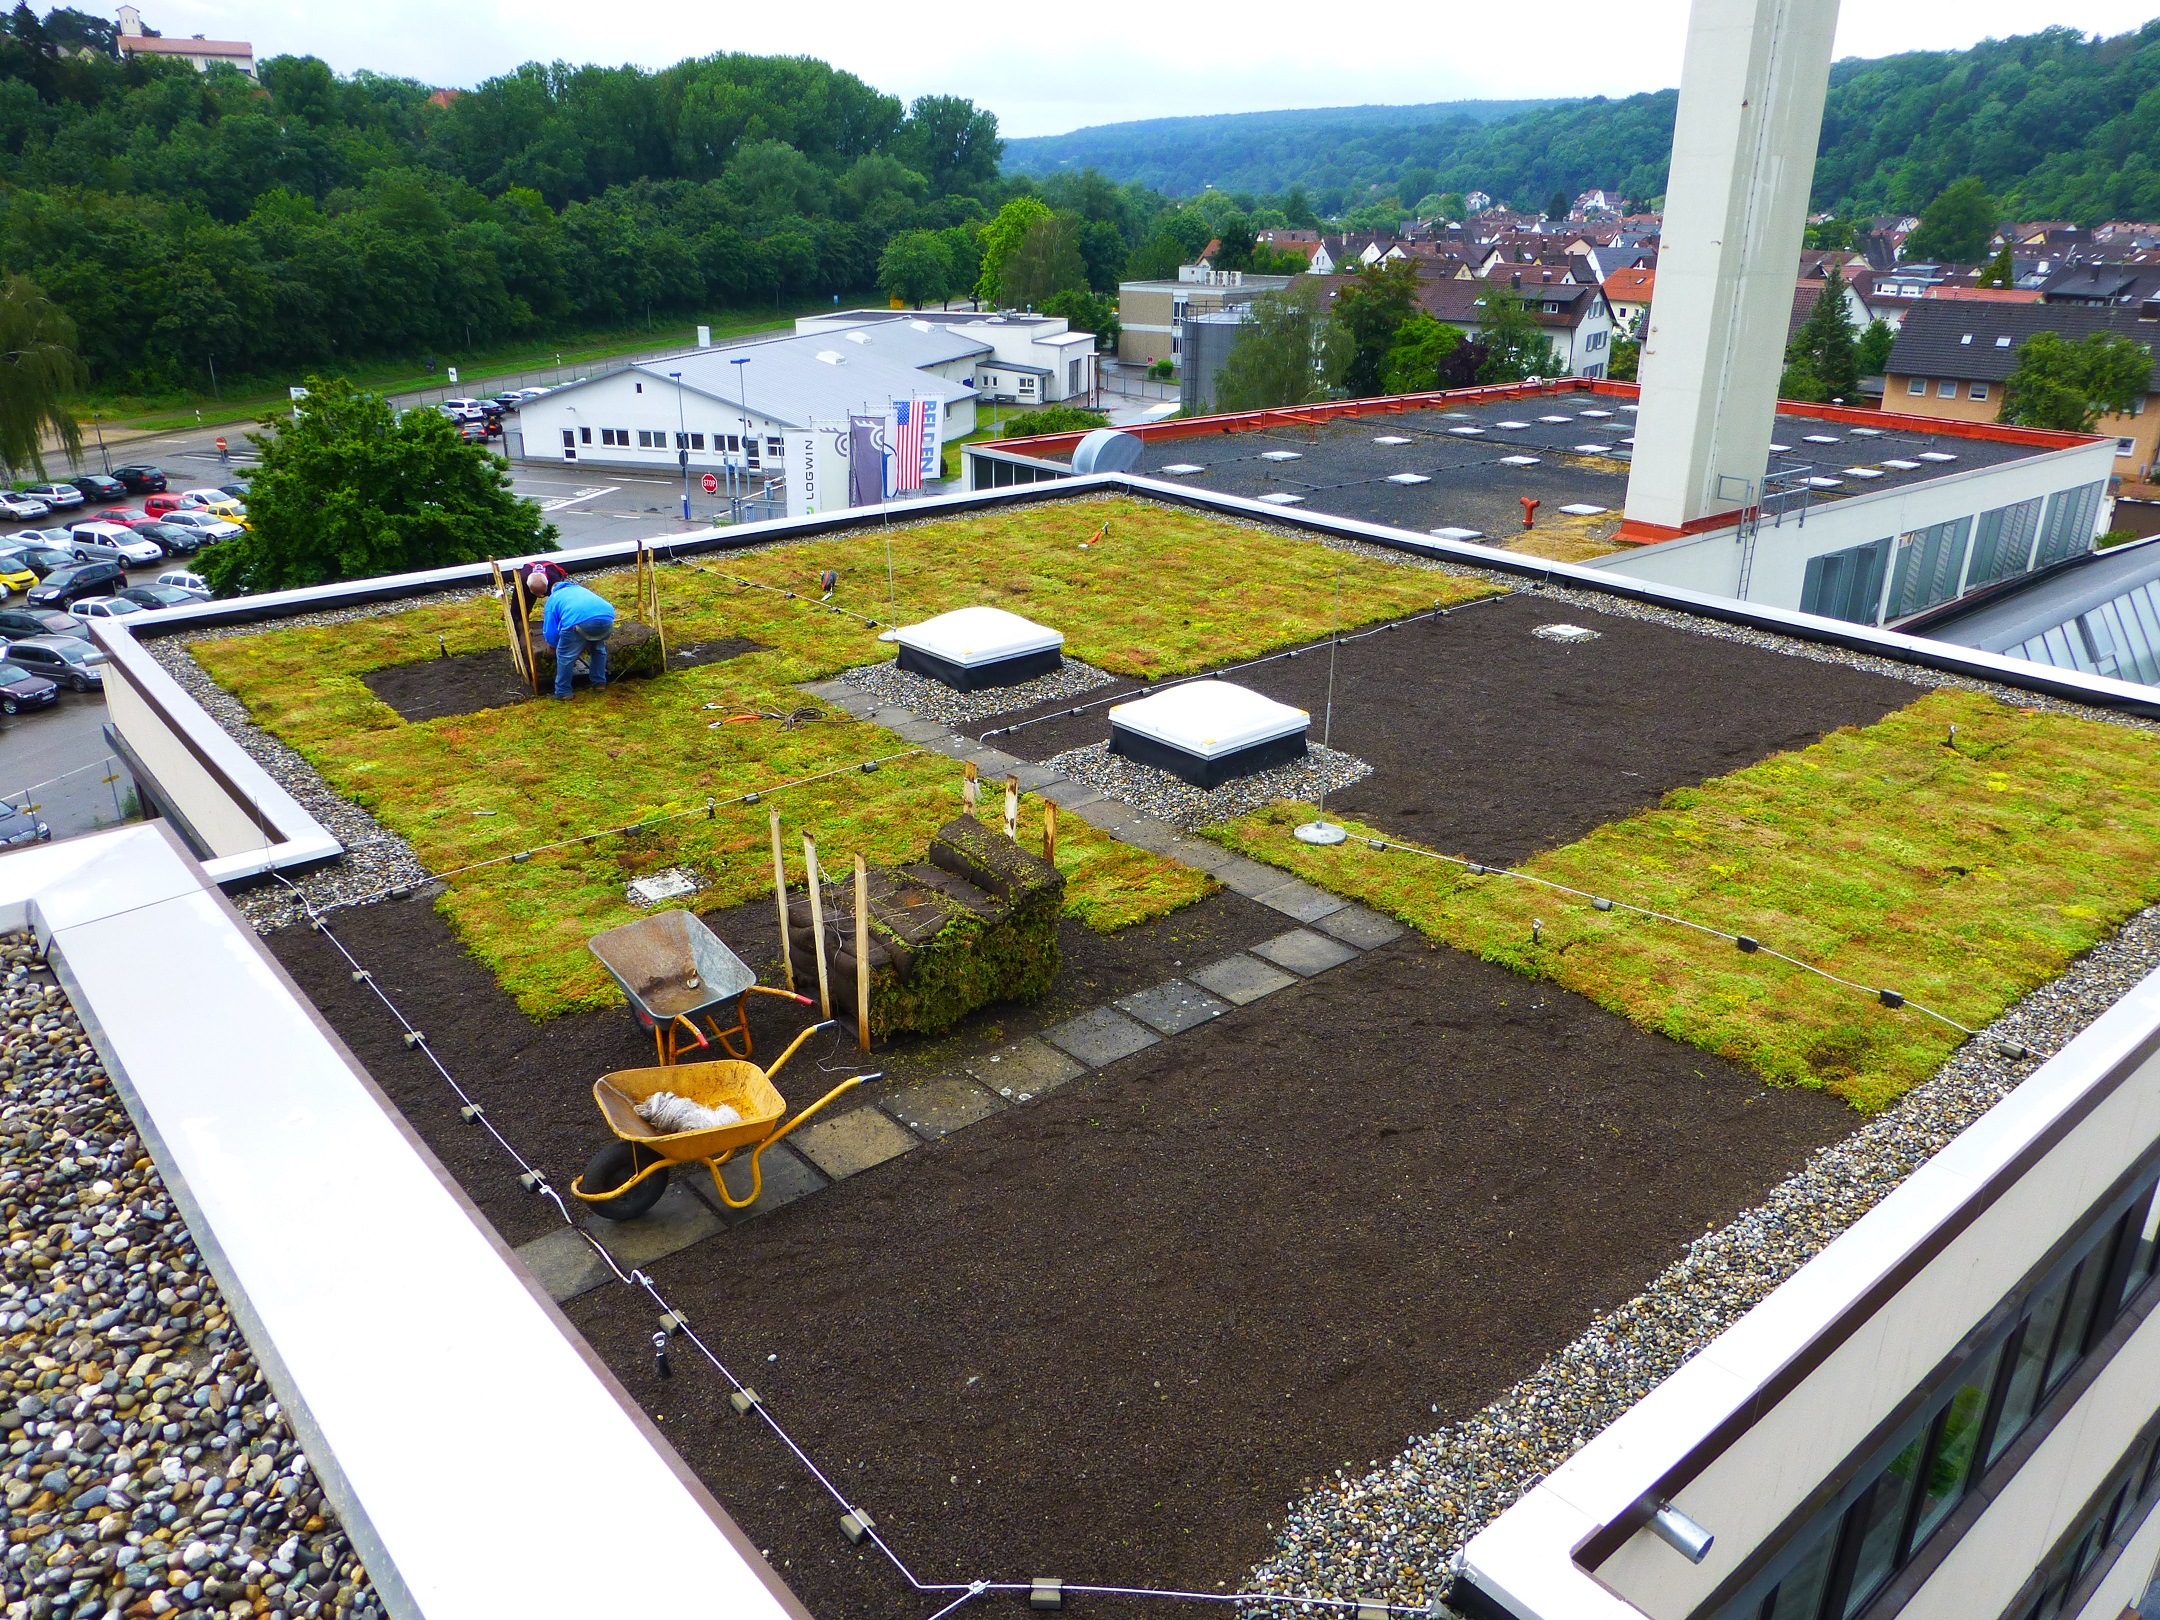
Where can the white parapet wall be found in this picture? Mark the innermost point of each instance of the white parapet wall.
(482, 1460)
(1756, 1438)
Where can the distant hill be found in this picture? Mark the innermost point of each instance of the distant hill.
(1263, 151)
(2058, 124)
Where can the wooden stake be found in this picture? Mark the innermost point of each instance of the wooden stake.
(779, 878)
(817, 924)
(1050, 831)
(970, 788)
(1012, 808)
(862, 954)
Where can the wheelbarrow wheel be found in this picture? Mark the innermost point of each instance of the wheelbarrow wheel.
(611, 1167)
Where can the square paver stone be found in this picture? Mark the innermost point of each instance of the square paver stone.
(784, 1177)
(1304, 952)
(678, 1220)
(1173, 1006)
(1354, 925)
(1101, 1035)
(854, 1141)
(940, 1106)
(1025, 1070)
(564, 1263)
(1241, 978)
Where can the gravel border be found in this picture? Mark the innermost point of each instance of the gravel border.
(1169, 798)
(941, 705)
(122, 1494)
(1395, 1530)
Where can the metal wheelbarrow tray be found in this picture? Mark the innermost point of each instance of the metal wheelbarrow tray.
(672, 968)
(626, 1179)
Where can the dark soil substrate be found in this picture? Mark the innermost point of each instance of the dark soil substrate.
(536, 1080)
(1486, 740)
(466, 683)
(1108, 1335)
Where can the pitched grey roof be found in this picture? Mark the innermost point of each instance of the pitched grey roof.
(1950, 338)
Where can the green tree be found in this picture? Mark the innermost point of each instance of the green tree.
(1368, 312)
(1001, 239)
(1414, 358)
(1822, 358)
(1297, 209)
(1052, 419)
(1276, 358)
(916, 267)
(2001, 272)
(1957, 226)
(1453, 206)
(1515, 345)
(1556, 206)
(1872, 353)
(1626, 362)
(1829, 235)
(2069, 386)
(1046, 262)
(38, 369)
(349, 490)
(1086, 312)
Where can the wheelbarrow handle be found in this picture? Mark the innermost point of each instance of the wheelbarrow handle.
(757, 1172)
(796, 1043)
(786, 995)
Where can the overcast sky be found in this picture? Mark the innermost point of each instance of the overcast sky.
(1047, 70)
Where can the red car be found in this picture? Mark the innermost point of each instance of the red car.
(159, 505)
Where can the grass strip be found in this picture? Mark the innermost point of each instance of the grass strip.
(1960, 871)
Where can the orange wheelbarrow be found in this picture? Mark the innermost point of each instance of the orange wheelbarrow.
(626, 1178)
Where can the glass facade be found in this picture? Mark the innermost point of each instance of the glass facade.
(2119, 637)
(2067, 529)
(1836, 1566)
(1846, 584)
(2002, 547)
(1930, 562)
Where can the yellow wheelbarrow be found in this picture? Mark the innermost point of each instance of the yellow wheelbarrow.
(627, 1177)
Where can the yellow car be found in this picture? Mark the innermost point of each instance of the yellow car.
(14, 576)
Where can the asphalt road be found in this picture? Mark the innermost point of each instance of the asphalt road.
(57, 761)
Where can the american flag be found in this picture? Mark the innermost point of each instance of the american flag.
(907, 444)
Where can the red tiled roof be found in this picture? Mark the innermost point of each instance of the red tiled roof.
(1630, 286)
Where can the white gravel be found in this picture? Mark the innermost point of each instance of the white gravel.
(936, 702)
(1172, 799)
(149, 1470)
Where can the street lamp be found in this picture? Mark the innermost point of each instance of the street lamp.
(682, 444)
(742, 392)
(97, 421)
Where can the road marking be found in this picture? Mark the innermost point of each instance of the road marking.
(581, 495)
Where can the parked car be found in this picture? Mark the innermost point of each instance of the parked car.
(176, 539)
(119, 514)
(156, 598)
(218, 504)
(21, 827)
(207, 524)
(40, 558)
(475, 431)
(461, 407)
(100, 487)
(68, 661)
(158, 505)
(14, 576)
(24, 508)
(16, 624)
(111, 542)
(237, 489)
(23, 689)
(57, 496)
(181, 580)
(64, 587)
(107, 607)
(141, 478)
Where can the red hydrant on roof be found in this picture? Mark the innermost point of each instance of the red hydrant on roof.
(1529, 511)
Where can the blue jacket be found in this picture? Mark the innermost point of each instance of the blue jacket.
(569, 605)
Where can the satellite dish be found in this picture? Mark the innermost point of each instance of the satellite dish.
(1106, 450)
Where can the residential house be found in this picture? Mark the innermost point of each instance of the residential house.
(1476, 201)
(1953, 356)
(2102, 286)
(200, 53)
(1575, 315)
(1342, 255)
(1627, 293)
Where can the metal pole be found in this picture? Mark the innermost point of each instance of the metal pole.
(103, 454)
(682, 443)
(742, 389)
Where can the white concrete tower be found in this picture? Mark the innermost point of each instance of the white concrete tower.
(1751, 105)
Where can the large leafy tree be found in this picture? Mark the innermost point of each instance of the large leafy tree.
(1822, 360)
(2069, 386)
(1957, 226)
(347, 489)
(916, 267)
(1001, 239)
(1369, 310)
(1276, 358)
(38, 370)
(1515, 345)
(1417, 359)
(1085, 312)
(1046, 262)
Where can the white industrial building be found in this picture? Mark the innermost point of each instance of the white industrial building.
(1022, 359)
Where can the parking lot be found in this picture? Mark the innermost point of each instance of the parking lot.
(56, 762)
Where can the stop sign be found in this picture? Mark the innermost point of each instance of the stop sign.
(712, 484)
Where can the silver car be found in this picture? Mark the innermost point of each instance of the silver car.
(24, 508)
(207, 524)
(64, 660)
(56, 496)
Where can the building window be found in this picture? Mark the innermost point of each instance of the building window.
(1917, 386)
(2126, 447)
(2002, 343)
(734, 443)
(1978, 391)
(774, 448)
(1946, 389)
(640, 387)
(584, 435)
(644, 439)
(697, 441)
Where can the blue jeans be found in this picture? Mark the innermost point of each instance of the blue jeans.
(587, 641)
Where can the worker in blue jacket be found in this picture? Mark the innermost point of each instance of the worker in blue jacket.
(577, 625)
